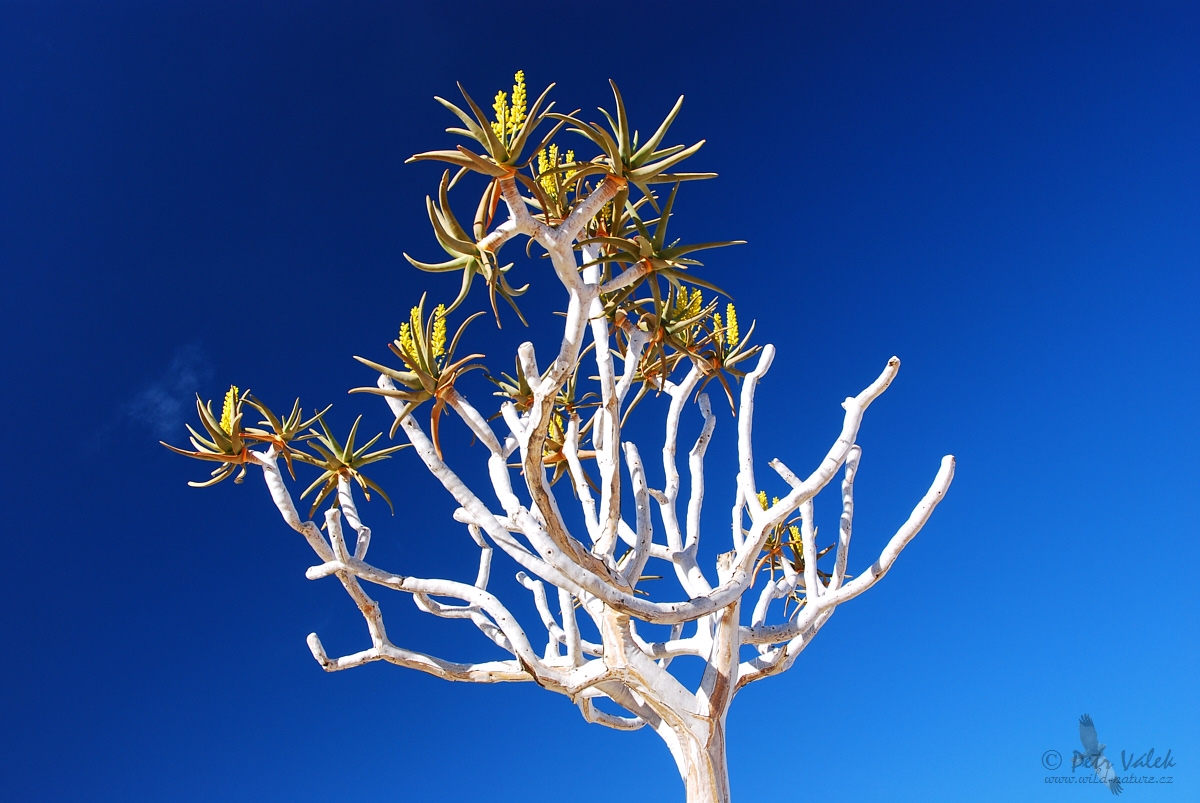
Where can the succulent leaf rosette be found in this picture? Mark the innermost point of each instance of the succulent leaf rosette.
(430, 369)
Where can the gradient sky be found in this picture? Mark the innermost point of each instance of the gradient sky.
(1004, 194)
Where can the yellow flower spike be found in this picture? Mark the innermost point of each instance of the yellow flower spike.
(407, 329)
(731, 329)
(570, 157)
(227, 409)
(681, 303)
(718, 329)
(606, 214)
(500, 106)
(516, 114)
(547, 161)
(774, 500)
(510, 116)
(762, 499)
(406, 341)
(439, 331)
(695, 303)
(795, 531)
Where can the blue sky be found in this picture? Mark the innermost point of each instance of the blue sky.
(1006, 195)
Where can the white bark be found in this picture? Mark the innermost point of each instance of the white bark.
(594, 588)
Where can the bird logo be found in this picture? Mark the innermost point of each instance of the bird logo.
(1094, 757)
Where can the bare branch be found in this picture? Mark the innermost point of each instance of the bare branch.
(287, 508)
(846, 524)
(808, 537)
(746, 481)
(524, 222)
(570, 228)
(578, 478)
(499, 236)
(595, 715)
(920, 515)
(816, 606)
(636, 560)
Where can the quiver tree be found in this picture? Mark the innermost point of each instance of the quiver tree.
(587, 548)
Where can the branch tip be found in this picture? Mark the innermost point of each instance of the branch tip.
(318, 652)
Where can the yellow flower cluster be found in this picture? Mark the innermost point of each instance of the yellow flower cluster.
(413, 324)
(548, 161)
(227, 409)
(689, 306)
(606, 215)
(518, 102)
(718, 329)
(406, 341)
(762, 499)
(439, 330)
(406, 332)
(510, 117)
(731, 328)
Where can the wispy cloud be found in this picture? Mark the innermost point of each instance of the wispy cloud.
(163, 404)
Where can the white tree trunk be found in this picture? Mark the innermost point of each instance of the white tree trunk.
(700, 757)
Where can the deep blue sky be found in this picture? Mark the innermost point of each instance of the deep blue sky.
(1006, 195)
